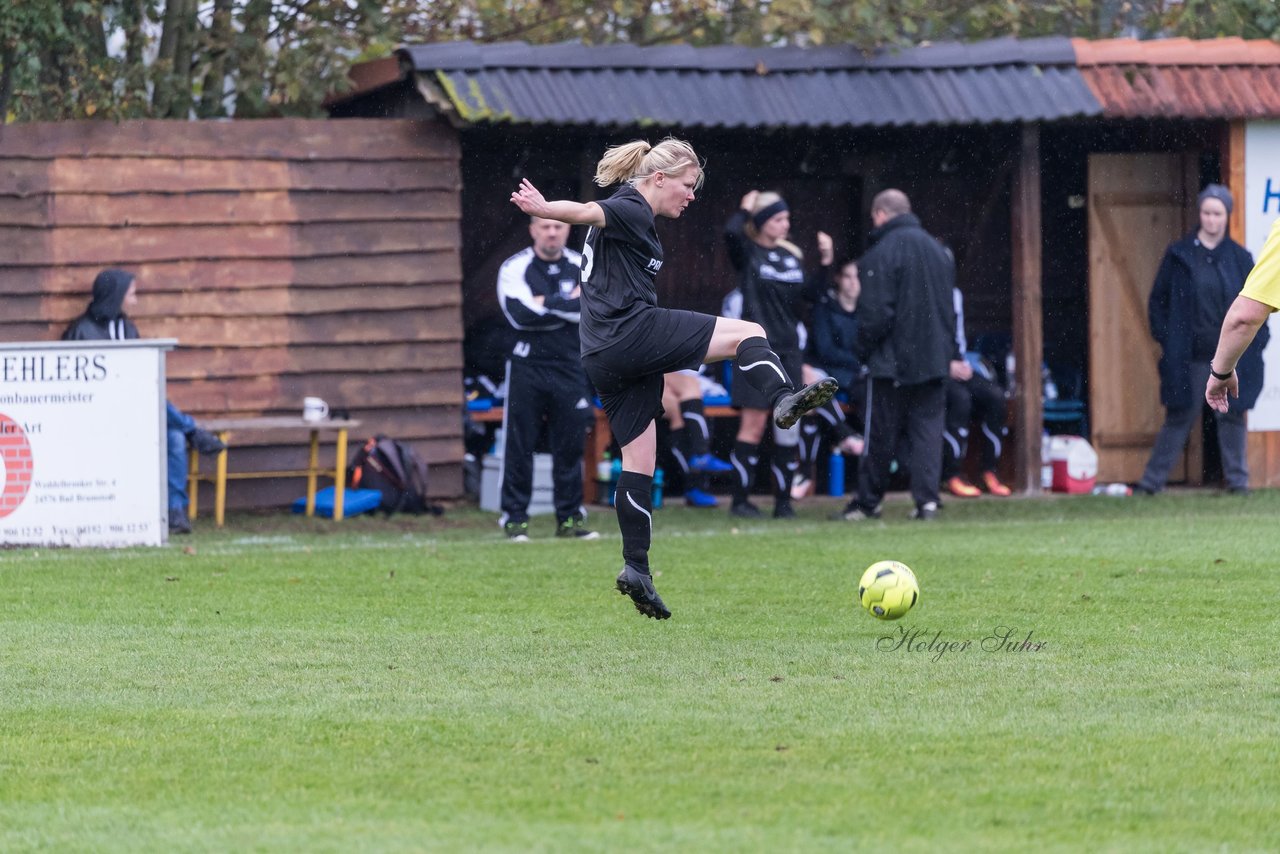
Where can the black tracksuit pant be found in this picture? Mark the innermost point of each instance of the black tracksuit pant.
(916, 410)
(981, 398)
(559, 396)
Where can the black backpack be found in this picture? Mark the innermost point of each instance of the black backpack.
(395, 470)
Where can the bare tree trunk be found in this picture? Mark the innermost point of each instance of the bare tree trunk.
(183, 50)
(132, 18)
(167, 71)
(217, 47)
(251, 84)
(7, 57)
(85, 26)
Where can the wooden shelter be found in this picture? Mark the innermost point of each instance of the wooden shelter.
(1057, 170)
(289, 258)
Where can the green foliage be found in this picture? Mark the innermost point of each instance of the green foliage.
(178, 58)
(1250, 19)
(423, 685)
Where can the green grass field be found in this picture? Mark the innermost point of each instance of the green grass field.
(420, 684)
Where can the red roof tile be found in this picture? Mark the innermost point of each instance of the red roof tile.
(1181, 78)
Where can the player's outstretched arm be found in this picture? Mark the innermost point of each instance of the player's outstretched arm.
(1243, 320)
(530, 200)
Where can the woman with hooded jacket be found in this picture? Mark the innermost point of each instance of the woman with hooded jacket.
(1198, 279)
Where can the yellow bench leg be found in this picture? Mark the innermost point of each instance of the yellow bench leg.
(340, 475)
(220, 482)
(313, 466)
(193, 482)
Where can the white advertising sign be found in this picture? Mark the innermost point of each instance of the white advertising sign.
(1262, 206)
(82, 443)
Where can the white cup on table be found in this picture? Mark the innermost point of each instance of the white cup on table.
(314, 409)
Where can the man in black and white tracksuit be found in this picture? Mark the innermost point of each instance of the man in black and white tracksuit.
(538, 290)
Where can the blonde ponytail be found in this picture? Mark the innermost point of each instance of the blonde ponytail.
(637, 161)
(621, 162)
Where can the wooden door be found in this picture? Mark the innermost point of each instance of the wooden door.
(1138, 205)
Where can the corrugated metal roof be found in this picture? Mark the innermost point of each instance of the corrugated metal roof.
(1181, 78)
(470, 56)
(1003, 80)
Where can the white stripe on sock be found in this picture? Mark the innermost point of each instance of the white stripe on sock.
(767, 364)
(996, 445)
(646, 513)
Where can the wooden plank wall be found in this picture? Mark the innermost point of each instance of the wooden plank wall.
(288, 257)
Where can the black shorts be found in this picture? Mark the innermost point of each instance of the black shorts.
(628, 374)
(743, 394)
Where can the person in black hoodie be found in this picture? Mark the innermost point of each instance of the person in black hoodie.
(1200, 276)
(906, 337)
(114, 291)
(833, 331)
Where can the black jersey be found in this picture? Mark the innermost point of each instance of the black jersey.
(620, 262)
(773, 283)
(546, 332)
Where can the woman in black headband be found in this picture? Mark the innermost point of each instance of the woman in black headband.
(773, 287)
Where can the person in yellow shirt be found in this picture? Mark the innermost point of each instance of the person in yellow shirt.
(1258, 299)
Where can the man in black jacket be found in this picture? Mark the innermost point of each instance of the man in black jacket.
(906, 337)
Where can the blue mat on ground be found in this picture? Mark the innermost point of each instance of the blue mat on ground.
(354, 502)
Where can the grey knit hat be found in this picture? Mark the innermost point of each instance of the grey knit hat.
(1219, 192)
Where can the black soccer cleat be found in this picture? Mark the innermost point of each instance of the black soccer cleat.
(793, 405)
(575, 527)
(639, 586)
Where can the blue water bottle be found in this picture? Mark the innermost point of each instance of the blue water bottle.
(835, 474)
(657, 489)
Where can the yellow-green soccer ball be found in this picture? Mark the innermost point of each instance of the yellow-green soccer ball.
(888, 589)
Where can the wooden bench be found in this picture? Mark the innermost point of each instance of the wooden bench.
(226, 429)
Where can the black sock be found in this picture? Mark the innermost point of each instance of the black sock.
(810, 440)
(833, 416)
(762, 368)
(634, 503)
(784, 464)
(680, 447)
(744, 458)
(695, 427)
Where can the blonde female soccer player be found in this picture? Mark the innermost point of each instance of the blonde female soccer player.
(628, 342)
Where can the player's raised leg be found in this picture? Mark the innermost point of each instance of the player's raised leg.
(745, 343)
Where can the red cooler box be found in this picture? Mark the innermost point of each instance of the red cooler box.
(1075, 464)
